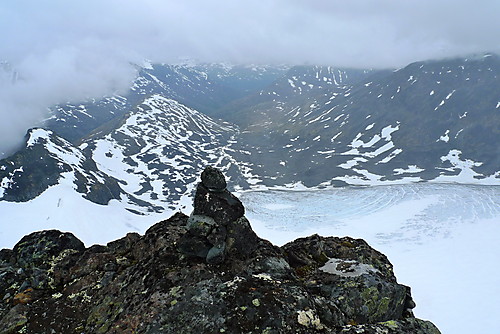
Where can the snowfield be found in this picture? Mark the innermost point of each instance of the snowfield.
(443, 239)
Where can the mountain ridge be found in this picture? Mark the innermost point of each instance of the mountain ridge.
(429, 121)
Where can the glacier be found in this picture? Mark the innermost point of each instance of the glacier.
(441, 238)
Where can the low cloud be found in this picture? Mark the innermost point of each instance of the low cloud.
(72, 50)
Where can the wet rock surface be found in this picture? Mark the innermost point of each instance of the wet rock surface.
(206, 273)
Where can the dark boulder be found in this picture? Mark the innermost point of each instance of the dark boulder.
(223, 206)
(37, 249)
(213, 179)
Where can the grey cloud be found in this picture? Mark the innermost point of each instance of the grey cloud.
(71, 50)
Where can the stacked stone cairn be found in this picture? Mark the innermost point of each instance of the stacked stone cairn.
(217, 225)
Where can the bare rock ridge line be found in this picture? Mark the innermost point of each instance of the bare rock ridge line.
(206, 273)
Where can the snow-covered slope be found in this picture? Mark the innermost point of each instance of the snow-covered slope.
(442, 240)
(160, 148)
(41, 164)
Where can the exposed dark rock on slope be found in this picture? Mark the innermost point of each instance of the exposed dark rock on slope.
(156, 284)
(42, 163)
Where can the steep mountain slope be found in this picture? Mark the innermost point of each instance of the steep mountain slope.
(431, 120)
(161, 146)
(299, 86)
(44, 160)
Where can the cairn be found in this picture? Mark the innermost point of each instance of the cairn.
(217, 225)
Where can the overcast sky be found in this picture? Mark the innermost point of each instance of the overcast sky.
(69, 50)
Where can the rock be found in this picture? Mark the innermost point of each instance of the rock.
(201, 226)
(216, 254)
(357, 278)
(213, 179)
(242, 240)
(215, 212)
(411, 325)
(223, 206)
(7, 257)
(207, 273)
(14, 320)
(38, 248)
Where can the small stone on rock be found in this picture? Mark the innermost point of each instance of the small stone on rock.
(213, 179)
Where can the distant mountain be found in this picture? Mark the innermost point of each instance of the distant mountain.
(159, 148)
(44, 160)
(435, 120)
(320, 126)
(202, 87)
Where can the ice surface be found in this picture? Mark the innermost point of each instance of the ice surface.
(441, 238)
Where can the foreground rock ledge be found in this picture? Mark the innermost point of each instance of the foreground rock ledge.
(208, 273)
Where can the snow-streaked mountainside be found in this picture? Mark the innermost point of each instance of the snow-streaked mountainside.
(429, 121)
(202, 87)
(160, 147)
(312, 125)
(149, 160)
(43, 162)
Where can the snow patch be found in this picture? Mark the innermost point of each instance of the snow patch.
(388, 131)
(467, 173)
(445, 137)
(36, 135)
(347, 268)
(410, 170)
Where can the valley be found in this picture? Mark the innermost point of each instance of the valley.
(269, 126)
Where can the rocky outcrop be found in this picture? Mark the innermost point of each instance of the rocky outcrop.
(207, 273)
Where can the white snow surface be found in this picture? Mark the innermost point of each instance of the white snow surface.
(441, 238)
(61, 207)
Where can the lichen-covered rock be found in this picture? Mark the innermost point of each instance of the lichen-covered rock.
(405, 326)
(38, 248)
(243, 284)
(348, 272)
